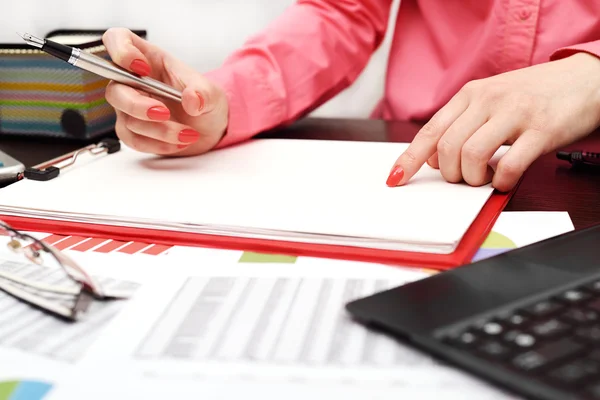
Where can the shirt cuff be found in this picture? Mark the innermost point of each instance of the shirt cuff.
(252, 105)
(592, 48)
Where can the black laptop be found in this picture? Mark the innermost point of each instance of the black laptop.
(527, 320)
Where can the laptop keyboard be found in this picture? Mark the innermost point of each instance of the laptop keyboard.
(556, 341)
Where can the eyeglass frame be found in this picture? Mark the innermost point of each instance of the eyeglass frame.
(88, 291)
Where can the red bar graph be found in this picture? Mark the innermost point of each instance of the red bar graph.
(156, 249)
(110, 246)
(88, 244)
(133, 247)
(101, 245)
(68, 242)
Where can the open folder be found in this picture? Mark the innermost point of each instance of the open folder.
(302, 197)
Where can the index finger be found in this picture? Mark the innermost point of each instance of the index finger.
(424, 145)
(127, 50)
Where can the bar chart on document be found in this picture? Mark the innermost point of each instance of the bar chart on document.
(272, 321)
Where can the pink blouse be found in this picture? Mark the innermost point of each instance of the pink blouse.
(319, 47)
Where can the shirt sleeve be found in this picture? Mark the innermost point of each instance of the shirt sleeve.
(315, 49)
(592, 48)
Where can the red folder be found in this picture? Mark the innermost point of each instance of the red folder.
(471, 242)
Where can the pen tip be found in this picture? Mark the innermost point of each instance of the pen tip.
(31, 40)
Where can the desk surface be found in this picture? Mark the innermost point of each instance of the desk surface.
(548, 185)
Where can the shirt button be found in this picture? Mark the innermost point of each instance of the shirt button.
(524, 15)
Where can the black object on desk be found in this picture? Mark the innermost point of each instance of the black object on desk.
(580, 158)
(527, 320)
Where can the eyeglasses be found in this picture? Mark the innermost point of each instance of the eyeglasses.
(50, 280)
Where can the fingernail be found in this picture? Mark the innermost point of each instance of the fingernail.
(140, 67)
(201, 106)
(158, 113)
(188, 136)
(395, 176)
(182, 146)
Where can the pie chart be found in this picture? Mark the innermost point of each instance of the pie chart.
(23, 390)
(494, 244)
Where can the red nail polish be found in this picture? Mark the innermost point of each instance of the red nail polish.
(395, 176)
(158, 113)
(188, 136)
(182, 146)
(140, 67)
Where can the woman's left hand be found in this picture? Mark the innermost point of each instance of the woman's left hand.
(536, 109)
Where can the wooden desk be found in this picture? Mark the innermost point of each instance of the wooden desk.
(548, 185)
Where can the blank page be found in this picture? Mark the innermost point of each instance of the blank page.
(311, 191)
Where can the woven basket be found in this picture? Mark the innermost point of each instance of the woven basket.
(42, 96)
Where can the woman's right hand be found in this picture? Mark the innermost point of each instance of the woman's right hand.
(153, 124)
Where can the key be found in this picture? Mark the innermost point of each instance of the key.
(593, 287)
(594, 391)
(550, 329)
(594, 305)
(543, 308)
(576, 372)
(574, 296)
(580, 316)
(494, 349)
(465, 340)
(492, 328)
(516, 320)
(519, 338)
(547, 354)
(594, 355)
(589, 333)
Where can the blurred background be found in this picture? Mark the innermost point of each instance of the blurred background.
(201, 32)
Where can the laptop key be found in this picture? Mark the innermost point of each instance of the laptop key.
(576, 372)
(573, 296)
(516, 320)
(465, 340)
(589, 334)
(551, 328)
(547, 354)
(519, 339)
(543, 309)
(580, 316)
(495, 349)
(594, 355)
(594, 391)
(492, 328)
(594, 305)
(593, 287)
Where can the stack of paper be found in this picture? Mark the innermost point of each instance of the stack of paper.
(325, 192)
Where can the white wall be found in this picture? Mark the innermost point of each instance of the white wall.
(201, 32)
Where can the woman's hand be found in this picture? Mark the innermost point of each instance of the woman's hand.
(152, 124)
(536, 109)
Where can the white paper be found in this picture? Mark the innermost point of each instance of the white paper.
(30, 330)
(520, 228)
(527, 227)
(299, 190)
(227, 331)
(138, 353)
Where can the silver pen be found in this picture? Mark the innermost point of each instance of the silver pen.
(102, 67)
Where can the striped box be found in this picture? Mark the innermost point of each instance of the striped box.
(42, 96)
